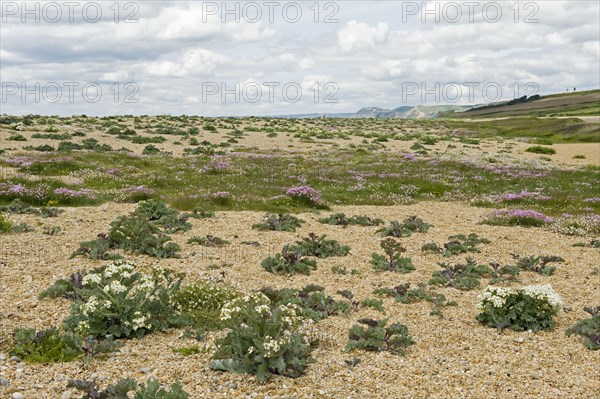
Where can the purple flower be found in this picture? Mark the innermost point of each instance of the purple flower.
(304, 192)
(68, 193)
(221, 195)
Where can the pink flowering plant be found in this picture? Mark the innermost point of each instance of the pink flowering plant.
(305, 195)
(517, 217)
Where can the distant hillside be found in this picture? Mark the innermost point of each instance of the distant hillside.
(586, 103)
(408, 112)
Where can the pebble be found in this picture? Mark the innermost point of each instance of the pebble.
(232, 386)
(14, 359)
(18, 395)
(2, 356)
(520, 340)
(4, 382)
(66, 395)
(146, 370)
(536, 375)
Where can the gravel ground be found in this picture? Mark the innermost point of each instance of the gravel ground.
(453, 358)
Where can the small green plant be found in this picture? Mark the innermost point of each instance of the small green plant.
(393, 260)
(279, 222)
(320, 247)
(460, 244)
(343, 270)
(187, 350)
(65, 288)
(404, 294)
(537, 264)
(460, 276)
(208, 241)
(373, 335)
(589, 329)
(22, 228)
(198, 213)
(290, 261)
(47, 346)
(503, 274)
(537, 149)
(432, 247)
(340, 219)
(409, 226)
(263, 339)
(579, 156)
(529, 308)
(5, 224)
(373, 303)
(51, 230)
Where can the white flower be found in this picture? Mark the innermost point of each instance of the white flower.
(495, 295)
(544, 292)
(91, 278)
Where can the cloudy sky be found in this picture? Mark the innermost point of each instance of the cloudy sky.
(284, 57)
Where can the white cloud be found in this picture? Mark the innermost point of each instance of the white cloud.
(360, 36)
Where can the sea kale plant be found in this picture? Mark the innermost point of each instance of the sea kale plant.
(589, 329)
(529, 308)
(263, 339)
(47, 346)
(320, 247)
(143, 232)
(503, 274)
(340, 219)
(538, 264)
(409, 226)
(392, 260)
(128, 388)
(373, 335)
(460, 276)
(118, 300)
(290, 261)
(404, 294)
(312, 300)
(460, 244)
(279, 222)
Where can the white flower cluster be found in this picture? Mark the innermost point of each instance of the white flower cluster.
(272, 346)
(120, 269)
(494, 295)
(139, 321)
(115, 287)
(258, 299)
(544, 292)
(94, 278)
(93, 304)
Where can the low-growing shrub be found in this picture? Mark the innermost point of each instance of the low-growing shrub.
(290, 261)
(537, 149)
(516, 217)
(340, 219)
(279, 222)
(263, 339)
(589, 329)
(306, 195)
(320, 247)
(392, 260)
(579, 225)
(529, 308)
(409, 226)
(198, 213)
(373, 335)
(460, 276)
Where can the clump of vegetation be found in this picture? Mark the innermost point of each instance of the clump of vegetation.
(577, 225)
(340, 219)
(5, 224)
(117, 300)
(373, 335)
(343, 270)
(529, 308)
(47, 346)
(144, 231)
(263, 339)
(125, 388)
(313, 301)
(538, 264)
(279, 222)
(460, 276)
(208, 241)
(460, 244)
(404, 294)
(290, 261)
(538, 149)
(320, 247)
(409, 226)
(506, 273)
(589, 329)
(198, 213)
(203, 300)
(517, 217)
(393, 259)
